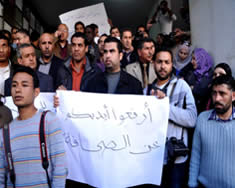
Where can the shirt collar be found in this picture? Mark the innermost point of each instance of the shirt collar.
(82, 66)
(213, 116)
(42, 62)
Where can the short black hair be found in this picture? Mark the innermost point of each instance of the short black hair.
(224, 79)
(80, 35)
(6, 32)
(79, 23)
(103, 35)
(23, 31)
(163, 49)
(4, 37)
(140, 43)
(113, 27)
(34, 36)
(28, 70)
(125, 30)
(114, 39)
(94, 25)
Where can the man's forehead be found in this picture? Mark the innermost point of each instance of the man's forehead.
(221, 87)
(22, 77)
(109, 45)
(62, 26)
(27, 50)
(3, 41)
(46, 37)
(77, 40)
(148, 44)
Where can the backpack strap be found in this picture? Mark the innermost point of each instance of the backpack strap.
(8, 154)
(43, 146)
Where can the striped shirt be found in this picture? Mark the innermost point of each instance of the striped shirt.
(25, 148)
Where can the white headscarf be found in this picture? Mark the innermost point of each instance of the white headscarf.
(178, 63)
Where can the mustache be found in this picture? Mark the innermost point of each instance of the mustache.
(218, 103)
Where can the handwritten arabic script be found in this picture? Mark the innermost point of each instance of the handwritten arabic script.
(112, 145)
(109, 113)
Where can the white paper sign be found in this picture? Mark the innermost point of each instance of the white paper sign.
(91, 14)
(114, 140)
(43, 101)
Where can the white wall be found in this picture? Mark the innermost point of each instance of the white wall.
(213, 28)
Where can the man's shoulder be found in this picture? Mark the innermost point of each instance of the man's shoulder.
(128, 77)
(57, 60)
(133, 65)
(181, 83)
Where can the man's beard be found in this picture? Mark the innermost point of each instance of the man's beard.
(222, 110)
(165, 77)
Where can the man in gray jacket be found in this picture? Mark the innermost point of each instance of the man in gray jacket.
(183, 115)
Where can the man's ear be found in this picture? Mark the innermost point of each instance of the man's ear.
(36, 91)
(19, 60)
(233, 96)
(86, 48)
(120, 55)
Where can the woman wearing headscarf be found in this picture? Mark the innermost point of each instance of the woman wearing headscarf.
(182, 58)
(198, 74)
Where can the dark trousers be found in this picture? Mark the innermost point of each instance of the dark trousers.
(174, 176)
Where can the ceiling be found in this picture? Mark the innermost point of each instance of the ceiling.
(123, 13)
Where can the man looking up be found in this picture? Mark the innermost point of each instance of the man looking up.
(213, 148)
(26, 56)
(24, 138)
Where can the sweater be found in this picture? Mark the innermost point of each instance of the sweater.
(212, 160)
(25, 148)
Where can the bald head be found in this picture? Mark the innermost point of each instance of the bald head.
(63, 32)
(46, 45)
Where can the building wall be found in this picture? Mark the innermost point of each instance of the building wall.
(213, 28)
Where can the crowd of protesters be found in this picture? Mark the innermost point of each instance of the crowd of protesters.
(201, 94)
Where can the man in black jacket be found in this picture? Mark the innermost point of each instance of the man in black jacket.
(48, 63)
(26, 56)
(77, 70)
(114, 80)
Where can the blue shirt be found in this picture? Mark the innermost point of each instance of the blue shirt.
(214, 116)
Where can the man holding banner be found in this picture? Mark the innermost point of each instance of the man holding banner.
(183, 115)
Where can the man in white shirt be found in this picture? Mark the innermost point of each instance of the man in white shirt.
(164, 16)
(5, 65)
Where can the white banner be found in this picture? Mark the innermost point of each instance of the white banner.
(90, 14)
(114, 140)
